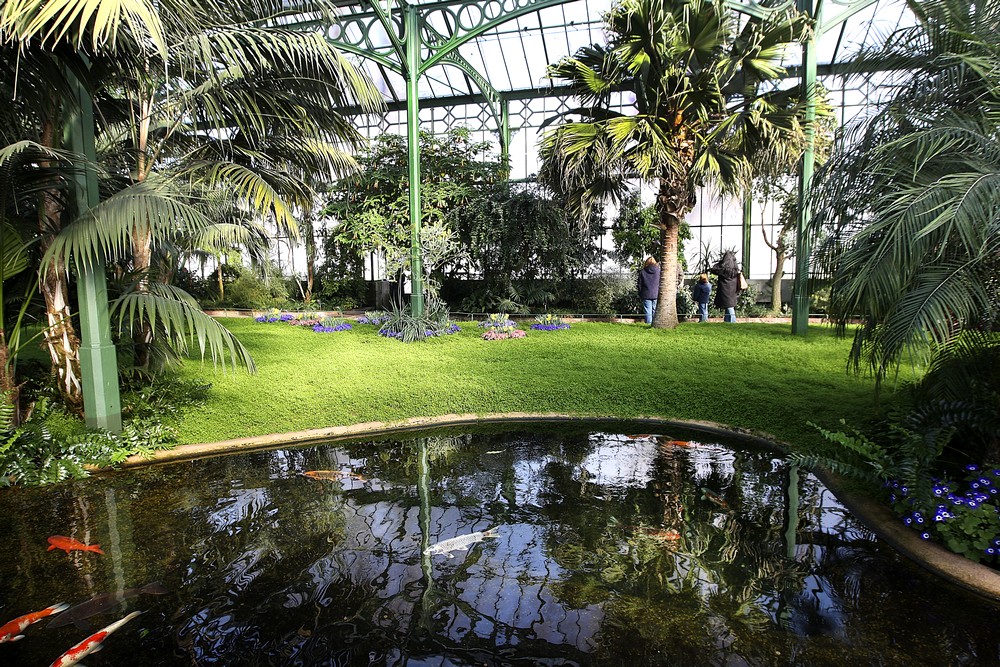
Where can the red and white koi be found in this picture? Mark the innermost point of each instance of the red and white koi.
(91, 644)
(11, 632)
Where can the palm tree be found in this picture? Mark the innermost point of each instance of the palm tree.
(218, 95)
(705, 104)
(909, 203)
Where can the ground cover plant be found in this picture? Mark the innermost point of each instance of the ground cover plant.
(753, 376)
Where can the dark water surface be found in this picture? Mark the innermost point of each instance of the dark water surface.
(610, 549)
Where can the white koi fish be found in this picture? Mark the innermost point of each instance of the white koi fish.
(10, 632)
(460, 543)
(91, 644)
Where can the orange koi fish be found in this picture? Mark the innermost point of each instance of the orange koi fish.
(715, 498)
(332, 475)
(662, 534)
(676, 443)
(68, 544)
(10, 632)
(92, 643)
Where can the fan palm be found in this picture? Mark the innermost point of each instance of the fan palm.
(221, 95)
(705, 103)
(910, 201)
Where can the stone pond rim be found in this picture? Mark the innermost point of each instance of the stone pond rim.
(958, 570)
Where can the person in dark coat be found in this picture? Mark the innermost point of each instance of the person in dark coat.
(701, 292)
(728, 285)
(649, 287)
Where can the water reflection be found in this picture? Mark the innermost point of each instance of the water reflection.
(610, 549)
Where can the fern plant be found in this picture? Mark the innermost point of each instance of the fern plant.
(908, 456)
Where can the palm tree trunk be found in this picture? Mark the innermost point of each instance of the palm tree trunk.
(310, 239)
(61, 339)
(142, 246)
(222, 285)
(8, 387)
(673, 202)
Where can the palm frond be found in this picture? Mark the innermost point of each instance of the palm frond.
(176, 314)
(105, 232)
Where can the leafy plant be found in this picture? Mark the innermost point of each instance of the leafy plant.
(51, 446)
(965, 515)
(403, 325)
(746, 303)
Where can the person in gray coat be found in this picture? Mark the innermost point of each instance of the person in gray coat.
(649, 287)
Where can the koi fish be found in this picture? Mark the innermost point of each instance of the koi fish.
(91, 644)
(68, 544)
(460, 543)
(10, 632)
(676, 443)
(715, 498)
(332, 475)
(100, 604)
(640, 436)
(662, 534)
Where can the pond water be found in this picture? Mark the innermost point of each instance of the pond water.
(608, 546)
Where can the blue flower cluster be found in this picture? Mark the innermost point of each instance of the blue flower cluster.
(428, 333)
(284, 317)
(498, 324)
(319, 328)
(967, 518)
(549, 327)
(373, 318)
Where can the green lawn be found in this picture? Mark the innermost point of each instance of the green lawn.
(753, 376)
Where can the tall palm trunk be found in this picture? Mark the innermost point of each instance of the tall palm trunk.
(142, 251)
(142, 243)
(673, 202)
(8, 386)
(61, 339)
(309, 235)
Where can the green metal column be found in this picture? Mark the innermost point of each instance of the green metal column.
(412, 39)
(505, 134)
(98, 362)
(747, 204)
(792, 511)
(800, 297)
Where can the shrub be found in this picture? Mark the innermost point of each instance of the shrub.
(746, 303)
(686, 305)
(600, 295)
(249, 291)
(51, 446)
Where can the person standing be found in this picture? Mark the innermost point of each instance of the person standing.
(649, 287)
(701, 292)
(728, 285)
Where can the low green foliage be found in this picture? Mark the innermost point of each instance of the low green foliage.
(51, 446)
(755, 376)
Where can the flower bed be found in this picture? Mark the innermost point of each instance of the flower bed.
(428, 333)
(964, 515)
(549, 322)
(501, 334)
(372, 317)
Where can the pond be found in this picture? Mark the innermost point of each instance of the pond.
(566, 545)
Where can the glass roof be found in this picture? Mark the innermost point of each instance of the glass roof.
(513, 56)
